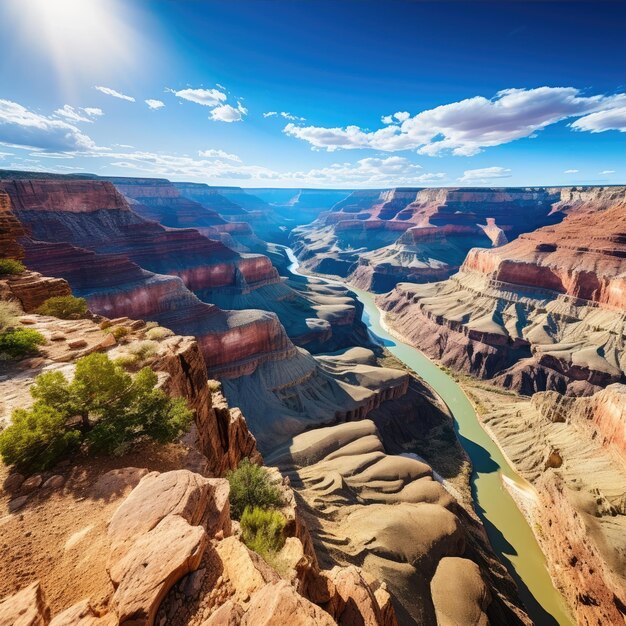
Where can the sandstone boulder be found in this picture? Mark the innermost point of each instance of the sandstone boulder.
(180, 492)
(27, 607)
(354, 601)
(278, 604)
(246, 570)
(83, 614)
(154, 563)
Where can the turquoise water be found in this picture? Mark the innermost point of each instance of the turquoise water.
(510, 535)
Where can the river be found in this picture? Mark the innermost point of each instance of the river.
(509, 533)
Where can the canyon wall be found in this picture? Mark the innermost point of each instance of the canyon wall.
(545, 311)
(572, 451)
(379, 238)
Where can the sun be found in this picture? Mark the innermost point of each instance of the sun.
(79, 38)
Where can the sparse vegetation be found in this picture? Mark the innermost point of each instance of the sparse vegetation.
(143, 349)
(9, 312)
(103, 408)
(158, 332)
(64, 307)
(128, 361)
(16, 343)
(251, 487)
(10, 267)
(119, 332)
(262, 530)
(214, 386)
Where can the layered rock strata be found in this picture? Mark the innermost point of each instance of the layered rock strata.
(362, 237)
(543, 312)
(573, 452)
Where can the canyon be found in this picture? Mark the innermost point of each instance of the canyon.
(545, 311)
(376, 239)
(514, 288)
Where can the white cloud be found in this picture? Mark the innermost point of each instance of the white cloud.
(218, 154)
(24, 128)
(154, 104)
(228, 113)
(389, 171)
(387, 119)
(187, 168)
(466, 127)
(484, 174)
(70, 113)
(610, 119)
(205, 97)
(402, 116)
(220, 86)
(270, 114)
(116, 94)
(93, 111)
(571, 171)
(290, 116)
(607, 172)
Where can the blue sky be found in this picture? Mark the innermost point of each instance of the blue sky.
(315, 93)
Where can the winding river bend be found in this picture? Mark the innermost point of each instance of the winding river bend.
(509, 533)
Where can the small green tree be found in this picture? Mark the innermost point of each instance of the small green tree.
(37, 438)
(18, 342)
(64, 307)
(9, 267)
(103, 406)
(250, 487)
(262, 530)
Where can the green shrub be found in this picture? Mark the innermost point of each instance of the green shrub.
(37, 438)
(64, 307)
(143, 349)
(9, 267)
(119, 332)
(262, 530)
(18, 342)
(104, 324)
(128, 361)
(9, 312)
(158, 332)
(251, 487)
(103, 407)
(214, 386)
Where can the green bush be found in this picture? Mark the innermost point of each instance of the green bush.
(9, 267)
(103, 407)
(158, 332)
(37, 438)
(119, 332)
(64, 307)
(9, 312)
(262, 530)
(143, 349)
(18, 342)
(128, 361)
(251, 487)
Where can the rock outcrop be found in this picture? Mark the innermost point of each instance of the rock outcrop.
(170, 539)
(220, 433)
(545, 311)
